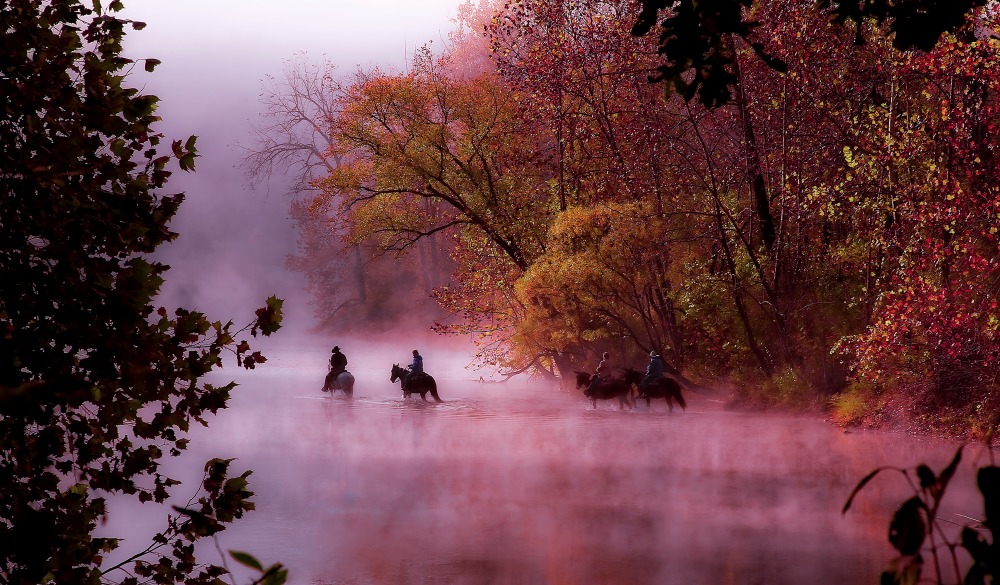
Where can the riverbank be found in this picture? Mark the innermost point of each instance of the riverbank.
(966, 425)
(896, 412)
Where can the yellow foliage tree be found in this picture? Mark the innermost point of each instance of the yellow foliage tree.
(429, 153)
(611, 271)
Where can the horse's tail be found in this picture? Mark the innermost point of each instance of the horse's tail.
(676, 391)
(434, 389)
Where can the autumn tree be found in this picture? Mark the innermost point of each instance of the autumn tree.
(617, 141)
(923, 164)
(97, 386)
(828, 197)
(871, 153)
(290, 141)
(430, 155)
(468, 45)
(602, 283)
(592, 108)
(346, 281)
(746, 176)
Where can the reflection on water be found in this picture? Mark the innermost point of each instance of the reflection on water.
(508, 483)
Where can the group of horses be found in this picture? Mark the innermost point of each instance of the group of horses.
(421, 383)
(629, 389)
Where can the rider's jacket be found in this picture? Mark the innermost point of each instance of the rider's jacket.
(655, 368)
(417, 367)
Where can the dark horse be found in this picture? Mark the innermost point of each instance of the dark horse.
(420, 383)
(607, 389)
(666, 388)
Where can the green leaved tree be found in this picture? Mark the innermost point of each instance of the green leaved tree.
(97, 386)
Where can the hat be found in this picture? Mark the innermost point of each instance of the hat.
(653, 353)
(335, 349)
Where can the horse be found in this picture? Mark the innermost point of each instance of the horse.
(420, 383)
(605, 389)
(344, 381)
(666, 388)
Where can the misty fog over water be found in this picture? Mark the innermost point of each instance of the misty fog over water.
(523, 482)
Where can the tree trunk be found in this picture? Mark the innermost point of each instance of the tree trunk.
(755, 172)
(359, 275)
(762, 359)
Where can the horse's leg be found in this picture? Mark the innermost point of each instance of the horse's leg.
(680, 399)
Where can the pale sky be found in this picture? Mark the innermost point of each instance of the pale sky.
(233, 241)
(253, 32)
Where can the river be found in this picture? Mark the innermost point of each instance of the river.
(525, 483)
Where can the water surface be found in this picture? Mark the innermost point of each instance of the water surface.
(525, 483)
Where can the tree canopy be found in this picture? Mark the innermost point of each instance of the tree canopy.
(97, 385)
(696, 39)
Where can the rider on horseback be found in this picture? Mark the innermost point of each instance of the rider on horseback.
(338, 378)
(416, 368)
(338, 362)
(603, 372)
(654, 371)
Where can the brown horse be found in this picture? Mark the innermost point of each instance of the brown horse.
(666, 388)
(606, 389)
(420, 384)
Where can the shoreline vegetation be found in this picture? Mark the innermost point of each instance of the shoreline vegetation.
(861, 407)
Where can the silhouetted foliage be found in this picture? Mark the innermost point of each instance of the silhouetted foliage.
(696, 38)
(96, 385)
(916, 522)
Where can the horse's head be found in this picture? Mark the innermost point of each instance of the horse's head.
(582, 379)
(397, 373)
(632, 376)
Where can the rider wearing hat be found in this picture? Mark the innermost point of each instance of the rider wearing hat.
(338, 361)
(654, 371)
(416, 367)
